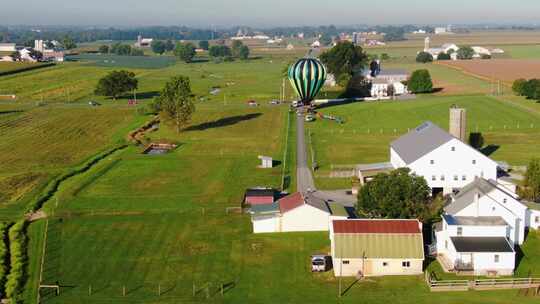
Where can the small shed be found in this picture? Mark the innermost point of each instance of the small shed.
(259, 196)
(266, 162)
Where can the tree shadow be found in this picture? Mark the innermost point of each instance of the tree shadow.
(147, 95)
(349, 287)
(275, 163)
(336, 103)
(437, 90)
(489, 149)
(223, 122)
(11, 112)
(519, 256)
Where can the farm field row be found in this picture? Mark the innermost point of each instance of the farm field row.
(506, 70)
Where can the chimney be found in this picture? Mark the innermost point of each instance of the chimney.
(458, 123)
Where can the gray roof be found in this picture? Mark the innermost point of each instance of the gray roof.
(474, 220)
(481, 244)
(466, 195)
(265, 209)
(420, 141)
(317, 203)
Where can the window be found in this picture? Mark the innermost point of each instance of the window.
(464, 177)
(406, 264)
(453, 149)
(432, 162)
(474, 161)
(345, 262)
(385, 264)
(504, 200)
(537, 219)
(433, 177)
(442, 177)
(496, 258)
(456, 177)
(446, 244)
(459, 231)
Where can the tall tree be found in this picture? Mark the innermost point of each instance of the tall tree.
(398, 194)
(219, 51)
(244, 52)
(158, 47)
(344, 58)
(169, 45)
(104, 49)
(465, 53)
(518, 86)
(420, 82)
(424, 57)
(176, 102)
(185, 51)
(236, 47)
(116, 83)
(68, 43)
(203, 44)
(531, 190)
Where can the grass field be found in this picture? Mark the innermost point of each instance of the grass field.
(370, 127)
(132, 62)
(14, 66)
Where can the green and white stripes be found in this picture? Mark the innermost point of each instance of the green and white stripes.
(307, 77)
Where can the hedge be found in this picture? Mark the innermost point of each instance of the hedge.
(52, 187)
(26, 69)
(18, 259)
(4, 262)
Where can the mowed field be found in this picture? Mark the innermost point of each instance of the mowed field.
(370, 127)
(38, 143)
(506, 70)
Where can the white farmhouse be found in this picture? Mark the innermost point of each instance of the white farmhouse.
(296, 212)
(446, 163)
(376, 247)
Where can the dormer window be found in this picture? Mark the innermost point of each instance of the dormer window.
(432, 162)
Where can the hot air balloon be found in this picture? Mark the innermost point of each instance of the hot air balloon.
(307, 77)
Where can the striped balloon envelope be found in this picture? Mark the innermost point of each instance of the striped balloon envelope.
(307, 77)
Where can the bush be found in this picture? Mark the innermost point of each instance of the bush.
(420, 82)
(531, 89)
(518, 86)
(18, 259)
(443, 56)
(3, 258)
(465, 53)
(424, 57)
(485, 56)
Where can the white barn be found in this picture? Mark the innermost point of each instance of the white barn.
(446, 163)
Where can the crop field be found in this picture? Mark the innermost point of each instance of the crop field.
(483, 38)
(531, 51)
(506, 70)
(14, 66)
(370, 127)
(38, 143)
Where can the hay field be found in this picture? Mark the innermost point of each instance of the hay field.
(506, 70)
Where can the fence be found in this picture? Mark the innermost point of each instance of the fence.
(482, 284)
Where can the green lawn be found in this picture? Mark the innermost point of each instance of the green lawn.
(370, 127)
(523, 51)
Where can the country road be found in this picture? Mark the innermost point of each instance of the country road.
(305, 183)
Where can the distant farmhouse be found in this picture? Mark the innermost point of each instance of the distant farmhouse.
(376, 247)
(143, 42)
(452, 49)
(386, 82)
(29, 54)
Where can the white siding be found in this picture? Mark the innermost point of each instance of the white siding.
(305, 218)
(376, 267)
(265, 224)
(534, 219)
(450, 163)
(396, 160)
(485, 261)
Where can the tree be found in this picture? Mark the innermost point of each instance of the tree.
(121, 49)
(325, 40)
(16, 56)
(344, 58)
(465, 53)
(397, 194)
(104, 49)
(136, 52)
(169, 46)
(518, 86)
(531, 190)
(424, 57)
(244, 52)
(158, 47)
(185, 51)
(235, 48)
(68, 43)
(443, 56)
(219, 51)
(420, 82)
(116, 83)
(531, 89)
(476, 140)
(176, 102)
(203, 44)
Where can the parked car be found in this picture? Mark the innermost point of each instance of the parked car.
(94, 103)
(310, 118)
(274, 102)
(320, 263)
(253, 103)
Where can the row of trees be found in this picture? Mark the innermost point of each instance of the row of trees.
(528, 88)
(464, 53)
(121, 50)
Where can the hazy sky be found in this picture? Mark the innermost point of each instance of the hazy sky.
(265, 13)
